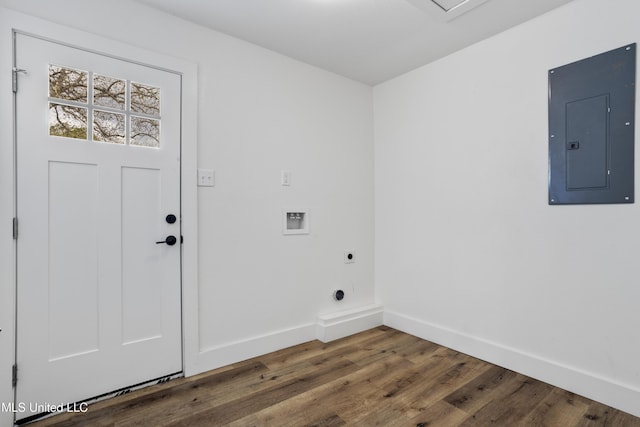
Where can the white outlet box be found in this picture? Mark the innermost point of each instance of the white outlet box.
(295, 221)
(206, 178)
(349, 257)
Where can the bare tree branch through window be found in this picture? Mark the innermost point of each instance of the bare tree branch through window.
(113, 104)
(109, 92)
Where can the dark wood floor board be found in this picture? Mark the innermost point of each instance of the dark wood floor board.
(384, 415)
(433, 365)
(196, 396)
(362, 394)
(419, 351)
(490, 385)
(392, 341)
(377, 348)
(238, 408)
(347, 396)
(290, 355)
(330, 421)
(390, 405)
(379, 377)
(173, 397)
(311, 349)
(371, 407)
(266, 382)
(440, 413)
(247, 385)
(559, 408)
(441, 353)
(513, 407)
(290, 420)
(599, 415)
(286, 372)
(434, 389)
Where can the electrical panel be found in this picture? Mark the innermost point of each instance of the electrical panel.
(591, 129)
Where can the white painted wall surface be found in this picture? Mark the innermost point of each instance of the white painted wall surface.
(468, 252)
(258, 113)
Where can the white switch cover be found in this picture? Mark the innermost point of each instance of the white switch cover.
(206, 178)
(285, 178)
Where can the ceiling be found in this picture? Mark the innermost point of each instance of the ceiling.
(367, 40)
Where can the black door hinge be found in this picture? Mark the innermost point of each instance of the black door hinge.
(15, 228)
(14, 377)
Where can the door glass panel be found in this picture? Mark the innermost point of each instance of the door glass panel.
(109, 92)
(67, 84)
(108, 127)
(145, 132)
(145, 99)
(106, 106)
(67, 121)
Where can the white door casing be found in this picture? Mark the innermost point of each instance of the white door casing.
(98, 301)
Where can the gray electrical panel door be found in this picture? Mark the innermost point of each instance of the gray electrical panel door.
(591, 129)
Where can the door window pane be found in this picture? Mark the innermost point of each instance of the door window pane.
(145, 99)
(67, 84)
(145, 132)
(108, 127)
(93, 106)
(109, 92)
(67, 121)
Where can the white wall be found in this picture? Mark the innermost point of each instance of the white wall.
(468, 252)
(258, 113)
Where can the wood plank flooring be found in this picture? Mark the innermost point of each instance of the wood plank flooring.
(381, 377)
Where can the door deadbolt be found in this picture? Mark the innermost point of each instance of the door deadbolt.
(171, 218)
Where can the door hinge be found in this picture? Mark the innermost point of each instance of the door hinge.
(14, 80)
(14, 376)
(15, 228)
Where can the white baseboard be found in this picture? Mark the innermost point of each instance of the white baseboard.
(329, 327)
(226, 354)
(333, 326)
(610, 392)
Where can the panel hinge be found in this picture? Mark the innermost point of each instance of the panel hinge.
(14, 80)
(15, 228)
(14, 376)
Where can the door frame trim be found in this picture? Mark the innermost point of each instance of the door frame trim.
(12, 23)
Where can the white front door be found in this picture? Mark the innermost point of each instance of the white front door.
(98, 181)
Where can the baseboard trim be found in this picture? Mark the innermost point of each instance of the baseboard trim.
(329, 327)
(610, 392)
(226, 354)
(340, 324)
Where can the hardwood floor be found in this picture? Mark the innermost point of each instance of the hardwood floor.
(379, 377)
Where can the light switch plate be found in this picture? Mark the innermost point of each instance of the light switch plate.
(206, 178)
(285, 178)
